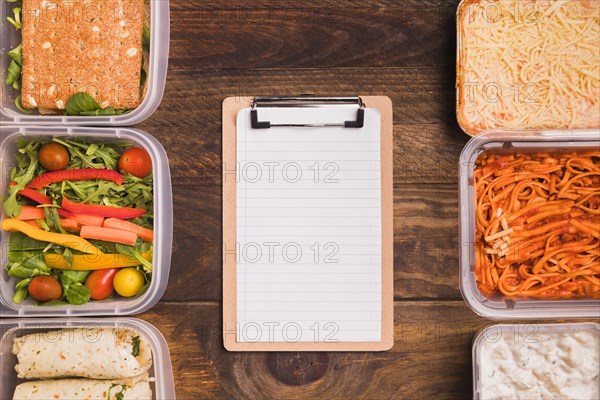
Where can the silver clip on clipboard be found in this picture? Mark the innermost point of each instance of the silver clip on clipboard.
(307, 101)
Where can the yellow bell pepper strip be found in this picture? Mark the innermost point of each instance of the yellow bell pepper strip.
(93, 262)
(65, 240)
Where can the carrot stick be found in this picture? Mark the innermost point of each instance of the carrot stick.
(69, 224)
(29, 212)
(109, 235)
(34, 224)
(88, 220)
(114, 223)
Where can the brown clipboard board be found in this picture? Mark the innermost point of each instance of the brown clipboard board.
(231, 107)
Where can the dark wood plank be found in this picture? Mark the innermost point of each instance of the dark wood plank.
(425, 243)
(427, 139)
(285, 34)
(430, 359)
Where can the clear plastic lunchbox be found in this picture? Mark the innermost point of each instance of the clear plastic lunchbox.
(161, 372)
(498, 307)
(525, 338)
(163, 223)
(155, 86)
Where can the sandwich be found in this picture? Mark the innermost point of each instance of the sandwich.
(137, 388)
(79, 58)
(98, 353)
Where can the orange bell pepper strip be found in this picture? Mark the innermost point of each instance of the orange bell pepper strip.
(71, 241)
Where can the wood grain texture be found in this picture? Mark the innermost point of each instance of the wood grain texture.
(430, 359)
(282, 34)
(427, 141)
(425, 243)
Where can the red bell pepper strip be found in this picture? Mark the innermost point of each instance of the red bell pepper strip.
(35, 196)
(76, 175)
(102, 211)
(43, 199)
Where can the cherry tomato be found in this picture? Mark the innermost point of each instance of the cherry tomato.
(128, 282)
(136, 161)
(100, 283)
(44, 288)
(54, 156)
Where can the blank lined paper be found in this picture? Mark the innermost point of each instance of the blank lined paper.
(308, 227)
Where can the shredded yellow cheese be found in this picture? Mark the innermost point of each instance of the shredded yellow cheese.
(529, 64)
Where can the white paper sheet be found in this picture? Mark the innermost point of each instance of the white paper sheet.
(308, 228)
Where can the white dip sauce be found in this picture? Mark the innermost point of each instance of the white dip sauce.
(541, 365)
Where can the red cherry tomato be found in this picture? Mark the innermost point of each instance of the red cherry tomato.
(136, 161)
(100, 283)
(44, 288)
(54, 156)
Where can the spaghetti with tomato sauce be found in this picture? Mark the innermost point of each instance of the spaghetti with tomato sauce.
(538, 225)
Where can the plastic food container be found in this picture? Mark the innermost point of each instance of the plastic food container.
(161, 371)
(525, 337)
(516, 85)
(157, 74)
(163, 223)
(500, 307)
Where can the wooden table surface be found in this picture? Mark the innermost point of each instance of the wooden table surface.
(404, 49)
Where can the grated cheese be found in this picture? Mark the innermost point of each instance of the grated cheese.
(529, 64)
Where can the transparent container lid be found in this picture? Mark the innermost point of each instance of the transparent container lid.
(161, 371)
(156, 78)
(523, 335)
(163, 223)
(500, 307)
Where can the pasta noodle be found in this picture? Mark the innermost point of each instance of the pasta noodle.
(528, 64)
(538, 225)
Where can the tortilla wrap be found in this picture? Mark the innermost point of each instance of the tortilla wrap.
(98, 353)
(137, 388)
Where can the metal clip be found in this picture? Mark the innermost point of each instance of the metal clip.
(306, 101)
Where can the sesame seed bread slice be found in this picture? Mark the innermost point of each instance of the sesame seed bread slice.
(75, 46)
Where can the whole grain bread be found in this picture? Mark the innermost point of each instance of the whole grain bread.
(72, 46)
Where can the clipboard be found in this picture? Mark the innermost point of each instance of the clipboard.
(260, 113)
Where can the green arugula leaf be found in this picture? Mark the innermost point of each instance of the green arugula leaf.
(52, 218)
(134, 253)
(119, 395)
(68, 256)
(146, 37)
(135, 343)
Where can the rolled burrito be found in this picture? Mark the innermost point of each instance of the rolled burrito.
(137, 388)
(98, 353)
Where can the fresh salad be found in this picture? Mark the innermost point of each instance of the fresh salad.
(81, 217)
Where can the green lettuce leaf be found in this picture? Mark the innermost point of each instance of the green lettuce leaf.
(78, 294)
(26, 257)
(21, 177)
(83, 104)
(16, 21)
